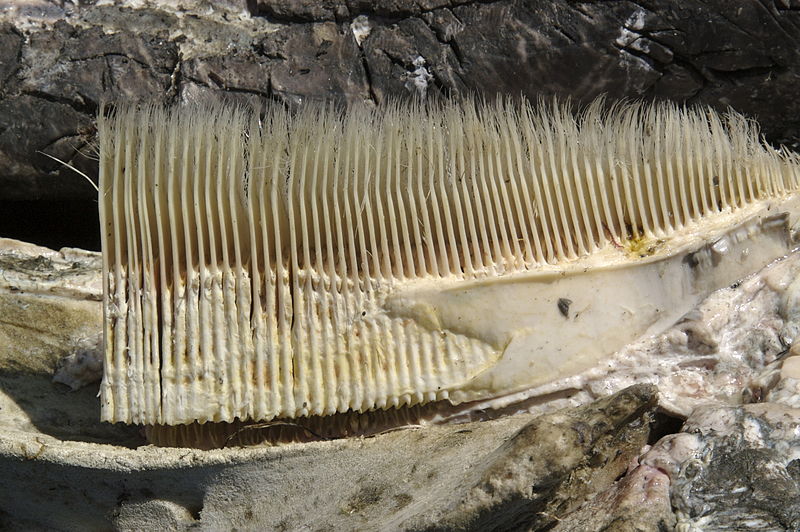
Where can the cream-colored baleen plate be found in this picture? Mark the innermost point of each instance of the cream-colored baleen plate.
(262, 264)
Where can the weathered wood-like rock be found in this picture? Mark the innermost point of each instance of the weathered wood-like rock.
(509, 474)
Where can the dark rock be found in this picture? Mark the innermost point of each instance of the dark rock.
(33, 123)
(49, 105)
(10, 49)
(678, 82)
(743, 54)
(326, 10)
(233, 74)
(87, 67)
(322, 63)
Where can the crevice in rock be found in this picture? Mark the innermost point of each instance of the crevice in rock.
(89, 107)
(174, 89)
(662, 425)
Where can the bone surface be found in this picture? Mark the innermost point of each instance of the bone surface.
(262, 264)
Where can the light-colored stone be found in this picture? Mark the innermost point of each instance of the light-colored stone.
(516, 471)
(49, 304)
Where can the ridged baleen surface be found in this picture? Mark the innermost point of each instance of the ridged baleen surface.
(251, 257)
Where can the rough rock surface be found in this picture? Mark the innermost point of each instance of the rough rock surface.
(60, 59)
(734, 468)
(49, 301)
(638, 502)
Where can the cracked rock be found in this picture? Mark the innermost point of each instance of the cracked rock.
(59, 60)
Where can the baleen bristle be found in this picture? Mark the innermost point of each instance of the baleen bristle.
(248, 253)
